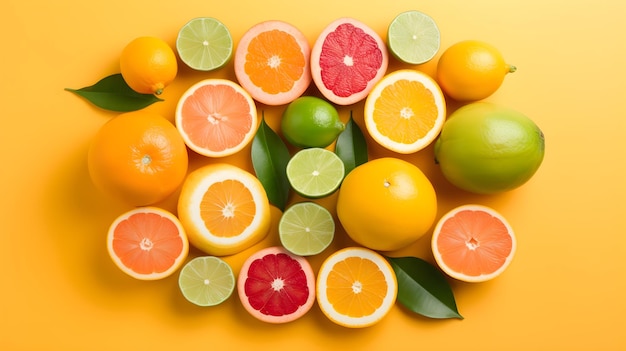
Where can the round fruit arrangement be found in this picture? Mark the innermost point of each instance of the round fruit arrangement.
(315, 168)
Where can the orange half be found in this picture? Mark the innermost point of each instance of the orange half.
(224, 209)
(147, 243)
(272, 62)
(356, 287)
(405, 111)
(216, 117)
(473, 243)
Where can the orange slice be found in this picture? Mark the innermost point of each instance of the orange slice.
(405, 111)
(216, 117)
(473, 243)
(356, 287)
(147, 243)
(224, 209)
(272, 62)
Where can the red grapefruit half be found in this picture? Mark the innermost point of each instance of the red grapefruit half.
(473, 243)
(347, 60)
(276, 286)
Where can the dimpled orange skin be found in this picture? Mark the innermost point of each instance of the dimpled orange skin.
(471, 70)
(138, 157)
(386, 204)
(148, 65)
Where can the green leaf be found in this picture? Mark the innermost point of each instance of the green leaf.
(112, 93)
(351, 146)
(269, 160)
(423, 289)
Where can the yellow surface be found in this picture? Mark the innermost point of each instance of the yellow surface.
(564, 290)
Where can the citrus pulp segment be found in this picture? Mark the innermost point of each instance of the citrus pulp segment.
(473, 243)
(405, 111)
(272, 62)
(386, 204)
(216, 117)
(148, 65)
(224, 209)
(356, 287)
(413, 37)
(206, 281)
(306, 228)
(276, 286)
(347, 59)
(138, 157)
(204, 44)
(147, 243)
(315, 172)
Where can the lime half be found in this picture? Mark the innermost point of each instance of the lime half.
(306, 228)
(206, 281)
(413, 37)
(315, 172)
(204, 44)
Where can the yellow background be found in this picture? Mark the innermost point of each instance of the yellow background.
(565, 289)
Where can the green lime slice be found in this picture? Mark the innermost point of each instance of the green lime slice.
(206, 281)
(315, 172)
(306, 228)
(413, 37)
(204, 44)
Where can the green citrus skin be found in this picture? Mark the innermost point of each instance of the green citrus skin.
(309, 121)
(485, 148)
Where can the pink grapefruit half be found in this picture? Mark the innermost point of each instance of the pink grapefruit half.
(276, 286)
(347, 60)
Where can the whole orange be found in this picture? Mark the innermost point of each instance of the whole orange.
(138, 157)
(386, 204)
(148, 65)
(471, 70)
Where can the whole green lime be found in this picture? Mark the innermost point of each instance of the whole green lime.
(485, 148)
(309, 121)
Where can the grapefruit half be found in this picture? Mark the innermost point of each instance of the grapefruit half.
(347, 60)
(276, 286)
(473, 243)
(147, 243)
(216, 117)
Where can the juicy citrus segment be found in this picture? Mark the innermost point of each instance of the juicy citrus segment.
(473, 243)
(347, 59)
(413, 37)
(356, 287)
(405, 111)
(216, 117)
(206, 281)
(306, 228)
(204, 44)
(276, 286)
(224, 209)
(315, 172)
(272, 62)
(147, 243)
